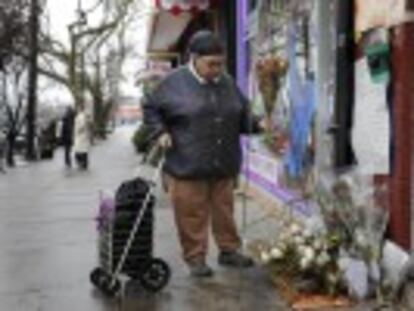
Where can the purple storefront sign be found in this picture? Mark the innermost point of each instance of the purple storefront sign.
(275, 191)
(263, 171)
(242, 59)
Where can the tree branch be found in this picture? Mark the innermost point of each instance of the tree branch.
(96, 32)
(49, 41)
(54, 76)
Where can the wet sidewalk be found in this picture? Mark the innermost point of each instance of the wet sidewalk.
(48, 243)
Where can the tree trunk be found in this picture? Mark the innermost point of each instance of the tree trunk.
(11, 139)
(32, 83)
(99, 118)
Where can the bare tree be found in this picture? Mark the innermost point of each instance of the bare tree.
(13, 29)
(14, 100)
(88, 70)
(105, 82)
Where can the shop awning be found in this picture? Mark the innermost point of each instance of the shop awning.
(167, 29)
(170, 19)
(178, 6)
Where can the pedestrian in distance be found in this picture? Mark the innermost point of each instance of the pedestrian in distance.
(82, 139)
(197, 115)
(3, 146)
(67, 133)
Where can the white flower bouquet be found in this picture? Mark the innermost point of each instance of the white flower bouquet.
(302, 261)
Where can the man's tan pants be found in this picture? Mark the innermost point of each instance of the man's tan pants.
(195, 204)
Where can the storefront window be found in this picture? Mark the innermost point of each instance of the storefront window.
(282, 88)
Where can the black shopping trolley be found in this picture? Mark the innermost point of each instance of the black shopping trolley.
(125, 240)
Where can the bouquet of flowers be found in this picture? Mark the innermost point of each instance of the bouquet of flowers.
(270, 71)
(301, 260)
(354, 209)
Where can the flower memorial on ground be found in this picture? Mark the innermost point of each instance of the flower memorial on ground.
(300, 261)
(342, 256)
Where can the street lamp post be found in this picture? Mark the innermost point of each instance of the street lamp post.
(32, 83)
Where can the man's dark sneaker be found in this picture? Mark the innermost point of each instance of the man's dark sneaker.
(234, 259)
(200, 270)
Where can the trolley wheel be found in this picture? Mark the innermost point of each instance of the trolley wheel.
(97, 277)
(156, 275)
(110, 287)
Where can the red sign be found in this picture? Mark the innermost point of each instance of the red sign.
(178, 6)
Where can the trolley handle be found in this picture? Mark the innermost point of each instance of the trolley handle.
(154, 154)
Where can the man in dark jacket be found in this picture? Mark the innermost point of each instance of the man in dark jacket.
(197, 114)
(68, 125)
(3, 143)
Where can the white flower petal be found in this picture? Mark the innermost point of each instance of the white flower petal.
(276, 253)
